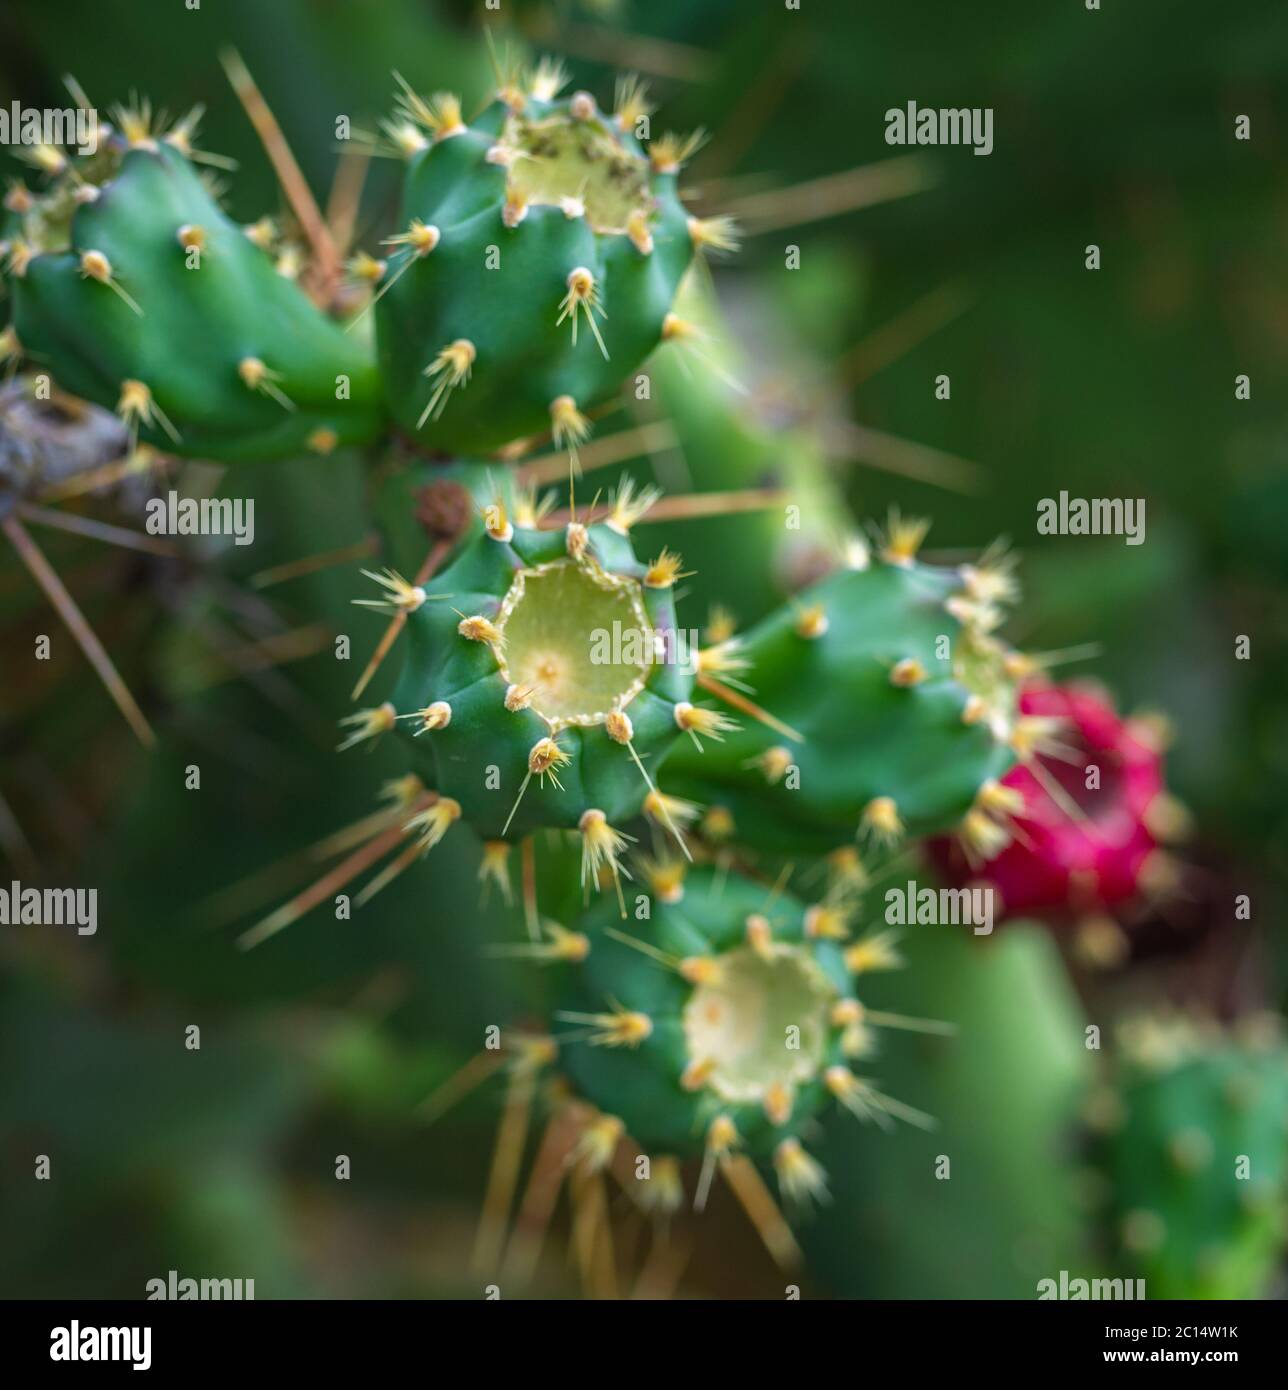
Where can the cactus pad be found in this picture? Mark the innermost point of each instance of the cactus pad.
(1193, 1139)
(898, 705)
(729, 1022)
(130, 281)
(540, 256)
(540, 680)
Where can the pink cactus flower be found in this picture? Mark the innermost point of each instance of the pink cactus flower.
(1087, 838)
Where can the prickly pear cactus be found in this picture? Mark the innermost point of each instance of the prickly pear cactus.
(141, 295)
(539, 254)
(539, 682)
(895, 708)
(731, 1020)
(1192, 1140)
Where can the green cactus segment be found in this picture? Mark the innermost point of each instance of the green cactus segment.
(540, 665)
(901, 700)
(1194, 1143)
(738, 1025)
(541, 256)
(138, 293)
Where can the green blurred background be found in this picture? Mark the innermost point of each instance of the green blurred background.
(1114, 127)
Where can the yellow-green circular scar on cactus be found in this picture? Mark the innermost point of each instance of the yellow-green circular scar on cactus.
(136, 291)
(726, 1024)
(541, 679)
(540, 253)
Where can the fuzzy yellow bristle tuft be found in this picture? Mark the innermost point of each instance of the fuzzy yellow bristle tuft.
(1033, 735)
(1019, 666)
(774, 763)
(620, 1028)
(137, 406)
(722, 1135)
(697, 1073)
(450, 368)
(257, 376)
(367, 724)
(801, 1178)
(494, 867)
(721, 625)
(640, 232)
(398, 597)
(515, 208)
(811, 622)
(404, 138)
(437, 715)
(699, 722)
(529, 511)
(778, 1102)
(496, 521)
(880, 820)
(630, 505)
(663, 1193)
(439, 114)
(630, 102)
(18, 198)
(845, 870)
(545, 758)
(903, 538)
(435, 821)
(582, 107)
(992, 580)
(701, 970)
(722, 658)
(666, 878)
(665, 570)
(875, 952)
(670, 152)
(20, 256)
(601, 847)
(598, 1142)
(576, 539)
(420, 238)
(975, 709)
(400, 792)
(618, 726)
(582, 298)
(568, 426)
(480, 629)
(560, 946)
(191, 237)
(518, 697)
(261, 233)
(718, 234)
(999, 800)
(718, 824)
(667, 811)
(547, 79)
(907, 672)
(759, 935)
(827, 921)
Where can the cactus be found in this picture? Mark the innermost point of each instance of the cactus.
(129, 279)
(536, 263)
(720, 1033)
(1191, 1139)
(741, 1020)
(535, 654)
(894, 706)
(541, 255)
